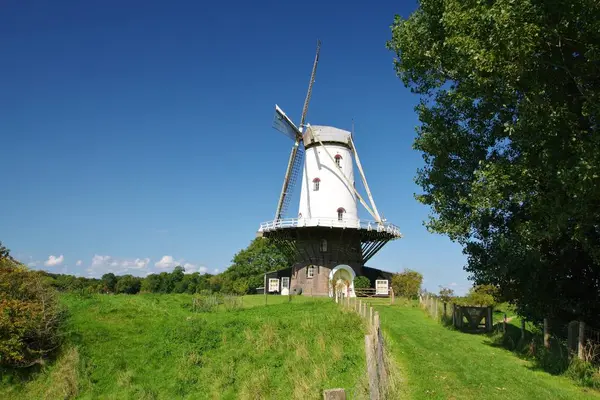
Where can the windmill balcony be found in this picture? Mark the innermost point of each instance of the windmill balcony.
(373, 226)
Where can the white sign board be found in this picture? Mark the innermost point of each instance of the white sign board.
(382, 287)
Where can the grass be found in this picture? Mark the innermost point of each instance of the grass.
(155, 347)
(440, 363)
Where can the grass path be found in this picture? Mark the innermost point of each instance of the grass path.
(439, 363)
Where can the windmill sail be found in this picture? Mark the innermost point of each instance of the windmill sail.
(291, 176)
(283, 124)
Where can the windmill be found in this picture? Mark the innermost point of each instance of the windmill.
(327, 238)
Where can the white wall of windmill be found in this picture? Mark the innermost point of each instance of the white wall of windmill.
(320, 207)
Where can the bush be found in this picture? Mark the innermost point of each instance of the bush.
(31, 319)
(362, 282)
(407, 283)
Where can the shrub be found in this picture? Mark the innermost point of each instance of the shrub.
(407, 283)
(31, 318)
(362, 282)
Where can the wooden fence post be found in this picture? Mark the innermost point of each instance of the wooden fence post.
(546, 334)
(581, 341)
(371, 368)
(504, 324)
(454, 315)
(436, 309)
(522, 329)
(334, 394)
(371, 317)
(265, 288)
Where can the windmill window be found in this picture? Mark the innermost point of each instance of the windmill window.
(310, 271)
(273, 285)
(338, 159)
(340, 212)
(316, 183)
(323, 246)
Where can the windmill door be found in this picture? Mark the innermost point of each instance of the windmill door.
(285, 285)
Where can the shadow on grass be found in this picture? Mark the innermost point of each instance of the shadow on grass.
(530, 346)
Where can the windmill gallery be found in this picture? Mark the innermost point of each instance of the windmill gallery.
(328, 241)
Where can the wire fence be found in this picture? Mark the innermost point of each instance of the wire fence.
(577, 338)
(377, 360)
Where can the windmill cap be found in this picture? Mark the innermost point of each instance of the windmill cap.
(325, 134)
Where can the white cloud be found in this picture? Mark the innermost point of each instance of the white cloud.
(166, 262)
(191, 268)
(53, 261)
(453, 284)
(103, 264)
(33, 264)
(138, 263)
(216, 270)
(99, 260)
(78, 263)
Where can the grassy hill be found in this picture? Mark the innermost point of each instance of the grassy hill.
(155, 347)
(440, 363)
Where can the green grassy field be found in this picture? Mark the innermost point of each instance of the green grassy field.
(440, 363)
(155, 347)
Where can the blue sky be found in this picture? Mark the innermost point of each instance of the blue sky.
(137, 135)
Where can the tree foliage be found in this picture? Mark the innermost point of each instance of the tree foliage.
(446, 294)
(128, 284)
(4, 252)
(250, 264)
(481, 296)
(362, 282)
(31, 318)
(407, 283)
(509, 112)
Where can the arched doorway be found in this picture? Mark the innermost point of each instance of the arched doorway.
(341, 278)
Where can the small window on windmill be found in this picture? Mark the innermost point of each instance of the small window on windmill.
(310, 271)
(323, 246)
(273, 285)
(338, 160)
(316, 183)
(340, 212)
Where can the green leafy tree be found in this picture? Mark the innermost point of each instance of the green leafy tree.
(482, 295)
(509, 118)
(446, 294)
(128, 284)
(407, 283)
(109, 281)
(362, 282)
(151, 284)
(250, 264)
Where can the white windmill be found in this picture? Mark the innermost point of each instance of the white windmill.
(329, 241)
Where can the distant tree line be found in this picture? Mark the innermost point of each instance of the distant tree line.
(244, 276)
